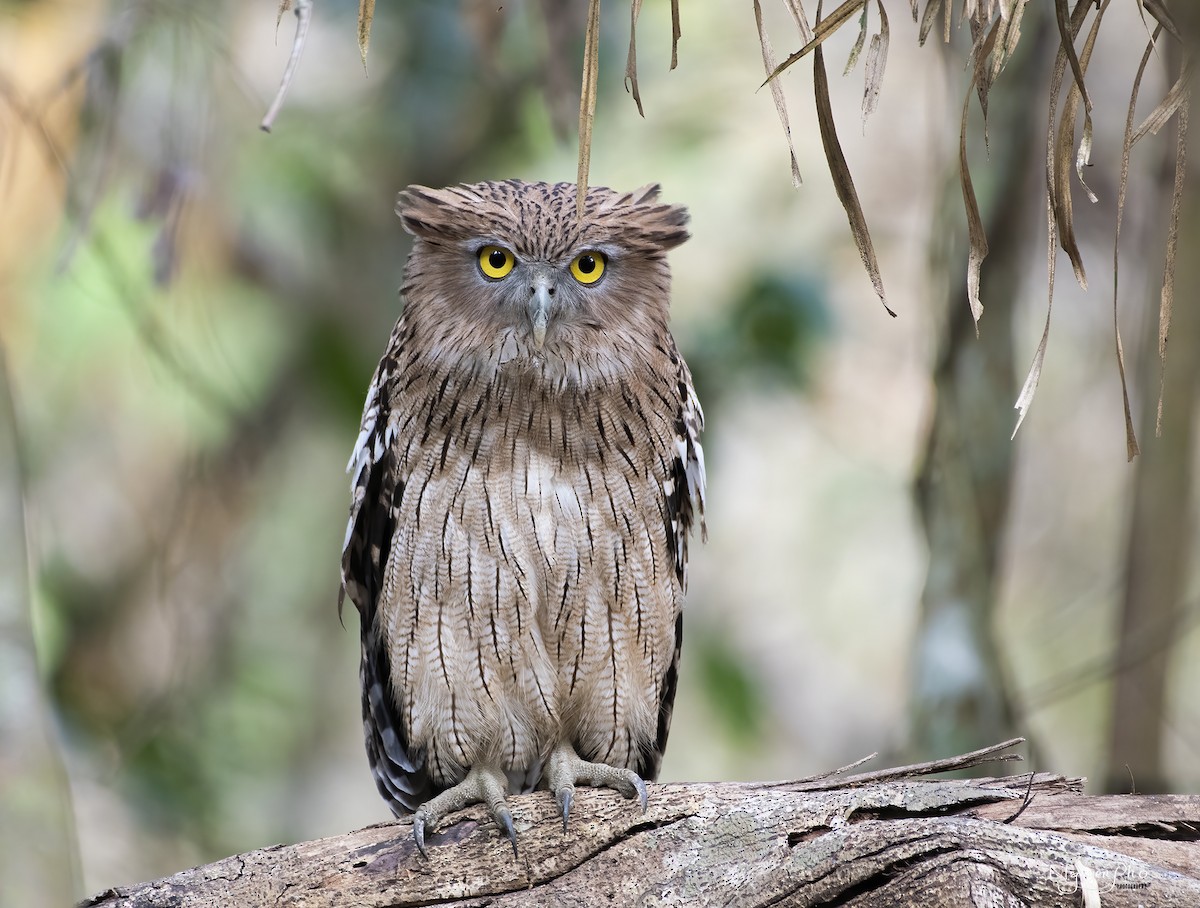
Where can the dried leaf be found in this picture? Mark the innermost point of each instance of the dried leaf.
(1131, 445)
(284, 6)
(975, 228)
(797, 11)
(913, 4)
(1084, 156)
(1067, 30)
(982, 79)
(1029, 389)
(587, 101)
(768, 55)
(1010, 34)
(676, 34)
(1167, 299)
(631, 80)
(1062, 140)
(303, 17)
(825, 28)
(366, 14)
(1163, 18)
(876, 64)
(840, 172)
(932, 8)
(1167, 107)
(859, 42)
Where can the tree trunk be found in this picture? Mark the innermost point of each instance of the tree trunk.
(1159, 548)
(960, 695)
(885, 838)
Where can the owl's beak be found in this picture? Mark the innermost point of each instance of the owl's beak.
(539, 307)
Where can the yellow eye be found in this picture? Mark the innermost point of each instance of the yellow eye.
(495, 262)
(588, 267)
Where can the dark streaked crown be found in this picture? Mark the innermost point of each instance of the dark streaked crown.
(539, 220)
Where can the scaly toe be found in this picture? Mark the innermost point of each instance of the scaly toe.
(565, 796)
(482, 785)
(504, 817)
(566, 770)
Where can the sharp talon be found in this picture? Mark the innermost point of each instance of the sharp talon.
(565, 797)
(504, 817)
(643, 796)
(419, 834)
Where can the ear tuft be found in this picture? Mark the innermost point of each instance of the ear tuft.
(432, 213)
(663, 226)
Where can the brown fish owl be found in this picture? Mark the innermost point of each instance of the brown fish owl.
(527, 476)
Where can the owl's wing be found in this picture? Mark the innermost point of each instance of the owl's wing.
(377, 489)
(685, 489)
(684, 494)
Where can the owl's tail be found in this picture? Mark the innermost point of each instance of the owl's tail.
(400, 777)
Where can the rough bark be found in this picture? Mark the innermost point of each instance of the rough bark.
(885, 838)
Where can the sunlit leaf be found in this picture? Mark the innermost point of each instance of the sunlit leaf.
(366, 14)
(768, 55)
(876, 64)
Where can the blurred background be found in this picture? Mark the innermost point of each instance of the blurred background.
(190, 310)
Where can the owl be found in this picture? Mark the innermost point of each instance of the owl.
(525, 482)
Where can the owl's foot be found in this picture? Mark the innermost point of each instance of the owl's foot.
(566, 769)
(483, 785)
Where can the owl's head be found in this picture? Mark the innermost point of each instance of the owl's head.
(511, 267)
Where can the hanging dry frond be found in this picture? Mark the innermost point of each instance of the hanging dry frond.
(797, 11)
(1061, 141)
(876, 64)
(284, 6)
(825, 27)
(1010, 34)
(303, 16)
(932, 9)
(1167, 298)
(676, 33)
(1029, 388)
(859, 42)
(842, 181)
(587, 100)
(1131, 445)
(768, 55)
(1174, 100)
(366, 15)
(631, 80)
(976, 234)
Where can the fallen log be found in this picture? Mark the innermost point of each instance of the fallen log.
(886, 838)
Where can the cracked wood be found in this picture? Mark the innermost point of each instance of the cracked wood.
(850, 841)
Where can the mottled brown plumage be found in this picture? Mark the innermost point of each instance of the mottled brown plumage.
(525, 482)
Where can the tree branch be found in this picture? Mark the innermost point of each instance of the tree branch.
(876, 839)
